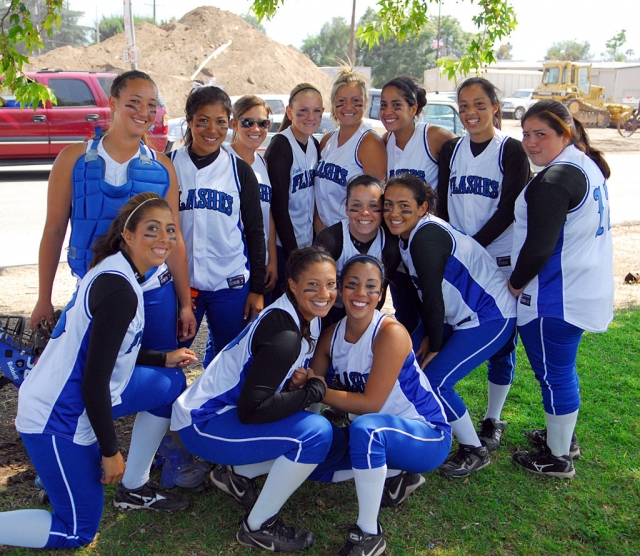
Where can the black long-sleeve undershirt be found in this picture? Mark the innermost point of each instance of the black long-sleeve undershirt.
(550, 196)
(250, 214)
(275, 347)
(430, 250)
(279, 159)
(517, 173)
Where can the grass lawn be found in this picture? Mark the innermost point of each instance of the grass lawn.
(502, 510)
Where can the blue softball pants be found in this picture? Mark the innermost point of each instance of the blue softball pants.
(552, 348)
(71, 473)
(464, 350)
(303, 437)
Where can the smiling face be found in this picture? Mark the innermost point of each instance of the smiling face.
(395, 112)
(401, 210)
(152, 240)
(305, 114)
(542, 143)
(364, 210)
(252, 137)
(208, 127)
(315, 290)
(361, 289)
(476, 112)
(135, 107)
(348, 105)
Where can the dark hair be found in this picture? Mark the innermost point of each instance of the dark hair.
(299, 88)
(363, 180)
(490, 90)
(130, 216)
(200, 97)
(412, 92)
(422, 191)
(557, 116)
(246, 103)
(362, 259)
(120, 82)
(298, 262)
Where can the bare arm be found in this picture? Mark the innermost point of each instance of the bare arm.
(59, 193)
(321, 360)
(391, 347)
(373, 155)
(177, 261)
(436, 137)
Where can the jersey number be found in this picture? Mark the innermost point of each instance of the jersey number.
(597, 195)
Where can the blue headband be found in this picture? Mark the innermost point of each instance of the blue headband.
(366, 258)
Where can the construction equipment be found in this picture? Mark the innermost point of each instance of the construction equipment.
(570, 83)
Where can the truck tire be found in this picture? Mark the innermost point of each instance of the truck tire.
(519, 112)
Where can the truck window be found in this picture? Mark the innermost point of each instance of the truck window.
(105, 84)
(374, 112)
(277, 106)
(584, 84)
(550, 75)
(71, 92)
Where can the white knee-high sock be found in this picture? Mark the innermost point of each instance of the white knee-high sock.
(147, 434)
(497, 396)
(369, 488)
(28, 528)
(465, 432)
(283, 480)
(253, 470)
(559, 431)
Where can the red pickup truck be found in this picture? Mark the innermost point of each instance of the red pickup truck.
(36, 137)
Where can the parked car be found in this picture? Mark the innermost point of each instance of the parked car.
(440, 110)
(30, 136)
(518, 104)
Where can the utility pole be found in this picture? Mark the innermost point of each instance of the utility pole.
(352, 34)
(97, 27)
(131, 53)
(438, 41)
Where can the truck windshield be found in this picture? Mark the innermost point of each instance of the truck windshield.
(551, 75)
(522, 93)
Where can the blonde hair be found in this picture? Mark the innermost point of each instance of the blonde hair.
(346, 76)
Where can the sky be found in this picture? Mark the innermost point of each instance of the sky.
(541, 22)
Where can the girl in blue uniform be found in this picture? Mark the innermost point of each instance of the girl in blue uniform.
(467, 312)
(402, 425)
(86, 376)
(563, 272)
(480, 177)
(247, 409)
(222, 222)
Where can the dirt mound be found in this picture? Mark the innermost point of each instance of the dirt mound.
(252, 63)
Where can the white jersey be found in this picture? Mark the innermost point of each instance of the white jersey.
(576, 284)
(259, 168)
(301, 197)
(415, 158)
(411, 396)
(337, 165)
(211, 222)
(473, 288)
(50, 399)
(475, 188)
(349, 249)
(218, 388)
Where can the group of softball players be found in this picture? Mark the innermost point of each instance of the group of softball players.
(289, 257)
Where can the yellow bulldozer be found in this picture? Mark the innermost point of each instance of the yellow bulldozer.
(570, 83)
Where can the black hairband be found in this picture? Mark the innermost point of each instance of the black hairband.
(368, 258)
(308, 88)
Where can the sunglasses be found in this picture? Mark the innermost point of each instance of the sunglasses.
(247, 123)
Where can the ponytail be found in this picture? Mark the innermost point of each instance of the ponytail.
(580, 139)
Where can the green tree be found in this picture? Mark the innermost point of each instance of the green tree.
(114, 24)
(614, 47)
(330, 44)
(573, 51)
(251, 19)
(504, 52)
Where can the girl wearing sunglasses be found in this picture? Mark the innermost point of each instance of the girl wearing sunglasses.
(250, 125)
(222, 219)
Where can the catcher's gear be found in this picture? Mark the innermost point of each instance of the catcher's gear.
(20, 347)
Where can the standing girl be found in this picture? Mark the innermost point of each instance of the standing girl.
(86, 376)
(291, 158)
(221, 216)
(481, 175)
(245, 413)
(412, 147)
(563, 272)
(402, 425)
(459, 285)
(347, 152)
(250, 125)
